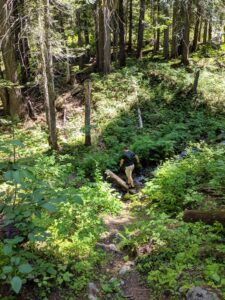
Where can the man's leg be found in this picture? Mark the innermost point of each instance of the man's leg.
(128, 171)
(131, 178)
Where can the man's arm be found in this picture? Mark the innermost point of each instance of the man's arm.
(121, 162)
(137, 159)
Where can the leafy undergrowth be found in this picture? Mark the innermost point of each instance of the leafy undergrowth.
(177, 255)
(50, 223)
(51, 202)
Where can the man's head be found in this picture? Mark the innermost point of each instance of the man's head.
(126, 148)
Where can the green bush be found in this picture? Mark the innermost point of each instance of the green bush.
(177, 183)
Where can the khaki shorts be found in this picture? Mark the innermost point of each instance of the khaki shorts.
(129, 170)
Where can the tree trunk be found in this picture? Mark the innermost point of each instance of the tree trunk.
(208, 217)
(196, 31)
(115, 38)
(174, 45)
(205, 32)
(186, 12)
(130, 26)
(86, 33)
(79, 31)
(96, 16)
(48, 81)
(140, 28)
(4, 96)
(122, 54)
(157, 44)
(8, 43)
(166, 34)
(200, 31)
(87, 89)
(104, 37)
(210, 32)
(23, 51)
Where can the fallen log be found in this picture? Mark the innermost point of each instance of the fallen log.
(117, 180)
(208, 217)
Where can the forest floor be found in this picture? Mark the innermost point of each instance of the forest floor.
(119, 270)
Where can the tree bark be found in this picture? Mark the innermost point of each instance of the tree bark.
(79, 31)
(174, 44)
(200, 31)
(210, 32)
(48, 80)
(23, 50)
(4, 96)
(86, 32)
(196, 30)
(104, 37)
(130, 26)
(96, 16)
(157, 44)
(87, 89)
(115, 38)
(205, 34)
(166, 51)
(7, 43)
(186, 12)
(140, 28)
(208, 217)
(122, 54)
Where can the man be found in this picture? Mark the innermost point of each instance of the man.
(127, 160)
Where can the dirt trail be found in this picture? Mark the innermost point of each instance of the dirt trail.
(125, 273)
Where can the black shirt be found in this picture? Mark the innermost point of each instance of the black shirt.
(129, 158)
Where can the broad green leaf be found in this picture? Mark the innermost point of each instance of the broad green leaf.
(26, 174)
(50, 207)
(9, 175)
(7, 249)
(31, 237)
(17, 176)
(37, 196)
(7, 269)
(78, 199)
(215, 277)
(16, 284)
(25, 268)
(61, 198)
(17, 143)
(16, 240)
(15, 260)
(51, 271)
